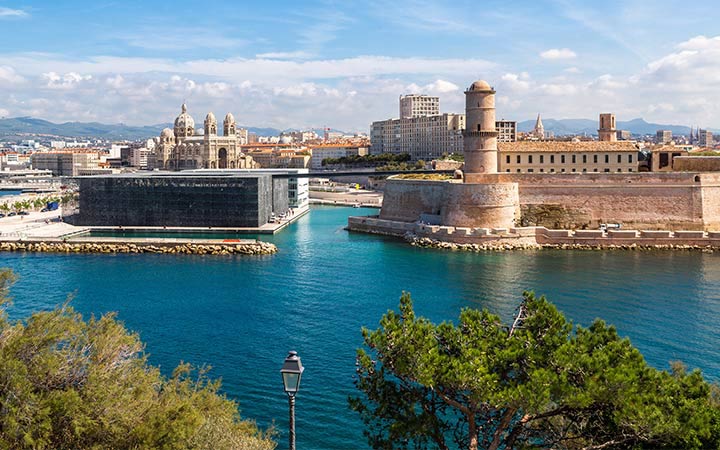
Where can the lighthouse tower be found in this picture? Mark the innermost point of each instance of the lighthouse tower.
(480, 135)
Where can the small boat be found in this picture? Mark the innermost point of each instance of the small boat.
(356, 205)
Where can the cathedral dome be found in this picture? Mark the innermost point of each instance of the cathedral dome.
(480, 85)
(184, 121)
(210, 117)
(229, 118)
(167, 133)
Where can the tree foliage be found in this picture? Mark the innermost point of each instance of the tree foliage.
(368, 160)
(67, 383)
(540, 384)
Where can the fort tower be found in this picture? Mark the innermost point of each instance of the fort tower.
(480, 135)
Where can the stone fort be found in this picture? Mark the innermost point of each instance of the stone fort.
(487, 197)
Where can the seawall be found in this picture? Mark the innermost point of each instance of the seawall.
(534, 237)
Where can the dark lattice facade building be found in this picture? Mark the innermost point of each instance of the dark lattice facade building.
(174, 200)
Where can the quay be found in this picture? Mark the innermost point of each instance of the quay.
(466, 238)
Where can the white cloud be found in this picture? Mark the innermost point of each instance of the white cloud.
(442, 87)
(516, 82)
(8, 75)
(8, 12)
(66, 81)
(285, 55)
(558, 53)
(269, 71)
(682, 86)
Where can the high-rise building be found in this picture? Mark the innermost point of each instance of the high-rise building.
(421, 137)
(427, 137)
(705, 138)
(663, 137)
(416, 105)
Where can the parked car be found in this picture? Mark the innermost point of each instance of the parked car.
(2, 215)
(23, 213)
(12, 213)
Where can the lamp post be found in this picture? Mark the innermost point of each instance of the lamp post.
(291, 372)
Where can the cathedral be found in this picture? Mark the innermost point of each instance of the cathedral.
(180, 148)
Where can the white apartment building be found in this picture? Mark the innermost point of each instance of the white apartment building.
(430, 137)
(421, 137)
(417, 105)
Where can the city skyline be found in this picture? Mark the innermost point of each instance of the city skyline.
(326, 63)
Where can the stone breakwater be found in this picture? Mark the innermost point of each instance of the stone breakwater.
(425, 242)
(500, 239)
(253, 248)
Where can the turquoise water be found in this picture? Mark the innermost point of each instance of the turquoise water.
(241, 315)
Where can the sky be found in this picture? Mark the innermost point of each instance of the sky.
(341, 64)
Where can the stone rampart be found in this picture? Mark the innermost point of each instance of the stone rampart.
(457, 204)
(696, 163)
(637, 200)
(670, 200)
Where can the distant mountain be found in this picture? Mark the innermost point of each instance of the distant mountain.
(589, 127)
(12, 126)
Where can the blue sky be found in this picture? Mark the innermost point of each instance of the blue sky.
(343, 64)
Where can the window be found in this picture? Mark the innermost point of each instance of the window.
(619, 170)
(629, 170)
(542, 170)
(542, 159)
(584, 170)
(607, 159)
(595, 160)
(507, 170)
(619, 159)
(562, 170)
(562, 159)
(531, 170)
(552, 170)
(529, 159)
(552, 159)
(507, 159)
(518, 159)
(595, 169)
(630, 158)
(573, 159)
(518, 171)
(607, 170)
(584, 159)
(573, 169)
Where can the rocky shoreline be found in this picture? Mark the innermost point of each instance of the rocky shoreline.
(498, 246)
(254, 248)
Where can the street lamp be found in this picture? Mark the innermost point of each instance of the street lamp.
(291, 372)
